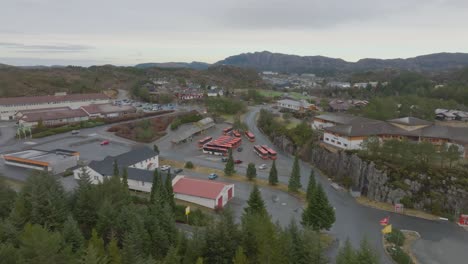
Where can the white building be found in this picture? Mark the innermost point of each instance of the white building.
(207, 193)
(11, 105)
(140, 164)
(215, 92)
(55, 161)
(340, 85)
(294, 105)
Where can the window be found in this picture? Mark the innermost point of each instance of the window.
(345, 144)
(333, 141)
(326, 139)
(339, 143)
(96, 178)
(142, 183)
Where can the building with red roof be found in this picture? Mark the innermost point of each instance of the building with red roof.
(211, 194)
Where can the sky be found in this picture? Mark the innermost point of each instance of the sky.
(124, 32)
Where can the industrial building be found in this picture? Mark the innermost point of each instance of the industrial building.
(51, 116)
(9, 106)
(207, 193)
(55, 161)
(108, 110)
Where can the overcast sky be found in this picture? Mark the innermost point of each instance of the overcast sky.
(128, 32)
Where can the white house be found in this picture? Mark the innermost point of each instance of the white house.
(215, 92)
(294, 105)
(140, 164)
(9, 106)
(207, 193)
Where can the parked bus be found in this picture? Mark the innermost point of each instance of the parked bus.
(202, 142)
(214, 151)
(227, 131)
(236, 133)
(271, 153)
(262, 153)
(250, 136)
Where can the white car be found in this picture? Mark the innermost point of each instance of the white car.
(165, 167)
(262, 167)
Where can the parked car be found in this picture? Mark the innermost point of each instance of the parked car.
(165, 167)
(239, 149)
(224, 159)
(177, 171)
(237, 161)
(105, 142)
(262, 167)
(75, 132)
(212, 176)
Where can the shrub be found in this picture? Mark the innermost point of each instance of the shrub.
(196, 217)
(399, 256)
(189, 165)
(396, 237)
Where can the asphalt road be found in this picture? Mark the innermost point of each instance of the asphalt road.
(441, 242)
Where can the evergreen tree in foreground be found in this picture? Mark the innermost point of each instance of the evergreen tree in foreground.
(125, 178)
(255, 204)
(346, 254)
(116, 169)
(240, 257)
(273, 176)
(367, 253)
(229, 168)
(295, 179)
(169, 192)
(155, 187)
(251, 171)
(311, 186)
(319, 214)
(72, 235)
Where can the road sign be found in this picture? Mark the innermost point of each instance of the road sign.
(399, 208)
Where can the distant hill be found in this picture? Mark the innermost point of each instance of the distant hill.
(20, 81)
(267, 61)
(192, 65)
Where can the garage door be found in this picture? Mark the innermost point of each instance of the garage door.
(220, 202)
(229, 194)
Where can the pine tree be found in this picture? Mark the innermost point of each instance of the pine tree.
(116, 169)
(240, 257)
(255, 204)
(85, 208)
(125, 178)
(199, 260)
(155, 187)
(229, 168)
(172, 257)
(311, 185)
(367, 254)
(97, 243)
(273, 176)
(113, 252)
(295, 179)
(296, 249)
(72, 235)
(92, 256)
(169, 192)
(326, 211)
(251, 171)
(347, 255)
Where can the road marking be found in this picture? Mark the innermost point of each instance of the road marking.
(92, 135)
(30, 143)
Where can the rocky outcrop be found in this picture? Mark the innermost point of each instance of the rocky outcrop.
(418, 191)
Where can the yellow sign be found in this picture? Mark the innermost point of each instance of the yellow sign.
(187, 210)
(387, 229)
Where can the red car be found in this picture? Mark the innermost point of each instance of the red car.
(237, 161)
(105, 142)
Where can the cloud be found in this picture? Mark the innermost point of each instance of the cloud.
(65, 48)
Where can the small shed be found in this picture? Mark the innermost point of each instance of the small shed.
(208, 193)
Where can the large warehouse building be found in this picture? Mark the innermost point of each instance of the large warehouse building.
(55, 161)
(211, 194)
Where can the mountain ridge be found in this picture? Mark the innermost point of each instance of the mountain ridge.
(279, 62)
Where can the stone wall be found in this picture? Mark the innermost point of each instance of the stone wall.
(377, 185)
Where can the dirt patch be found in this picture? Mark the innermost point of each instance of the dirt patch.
(410, 238)
(388, 207)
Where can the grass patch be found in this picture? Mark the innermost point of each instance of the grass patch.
(237, 177)
(389, 207)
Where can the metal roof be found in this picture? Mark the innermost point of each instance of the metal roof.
(52, 98)
(410, 121)
(199, 188)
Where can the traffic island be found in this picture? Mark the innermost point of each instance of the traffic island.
(397, 245)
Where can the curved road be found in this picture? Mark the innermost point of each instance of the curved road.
(441, 242)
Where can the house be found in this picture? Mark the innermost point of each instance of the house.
(9, 106)
(450, 115)
(207, 193)
(215, 92)
(140, 163)
(361, 85)
(350, 134)
(51, 116)
(108, 110)
(327, 120)
(55, 161)
(189, 94)
(339, 85)
(299, 106)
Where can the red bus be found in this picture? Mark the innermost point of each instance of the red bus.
(214, 151)
(202, 142)
(236, 133)
(227, 130)
(261, 152)
(250, 136)
(271, 153)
